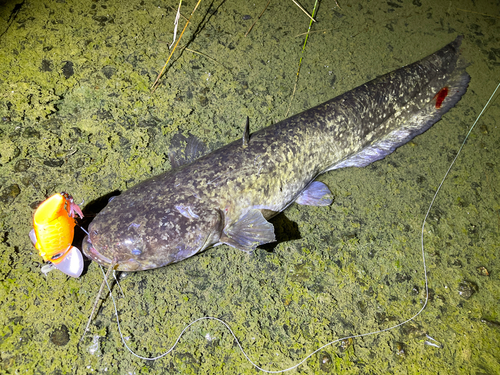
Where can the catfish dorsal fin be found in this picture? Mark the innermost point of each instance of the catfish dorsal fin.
(246, 133)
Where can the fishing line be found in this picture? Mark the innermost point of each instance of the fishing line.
(334, 341)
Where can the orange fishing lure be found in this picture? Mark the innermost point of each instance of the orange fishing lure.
(54, 225)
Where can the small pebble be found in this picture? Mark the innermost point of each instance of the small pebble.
(400, 350)
(60, 336)
(54, 163)
(466, 289)
(483, 271)
(22, 165)
(10, 193)
(325, 362)
(346, 343)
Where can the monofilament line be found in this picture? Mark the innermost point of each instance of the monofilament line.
(331, 342)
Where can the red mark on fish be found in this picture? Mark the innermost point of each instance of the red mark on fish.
(440, 96)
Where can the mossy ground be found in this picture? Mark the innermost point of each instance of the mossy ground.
(76, 115)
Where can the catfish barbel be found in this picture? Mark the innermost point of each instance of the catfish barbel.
(227, 196)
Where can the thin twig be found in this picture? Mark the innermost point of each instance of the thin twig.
(481, 14)
(316, 31)
(176, 23)
(205, 55)
(155, 84)
(175, 9)
(300, 61)
(302, 9)
(260, 15)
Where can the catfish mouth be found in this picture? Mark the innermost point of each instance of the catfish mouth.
(90, 252)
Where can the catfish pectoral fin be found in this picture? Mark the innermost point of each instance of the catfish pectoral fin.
(184, 150)
(250, 231)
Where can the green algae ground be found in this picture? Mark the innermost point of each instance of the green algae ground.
(76, 115)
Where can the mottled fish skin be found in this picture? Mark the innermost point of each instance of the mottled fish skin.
(228, 195)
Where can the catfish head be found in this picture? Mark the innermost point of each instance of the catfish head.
(137, 235)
